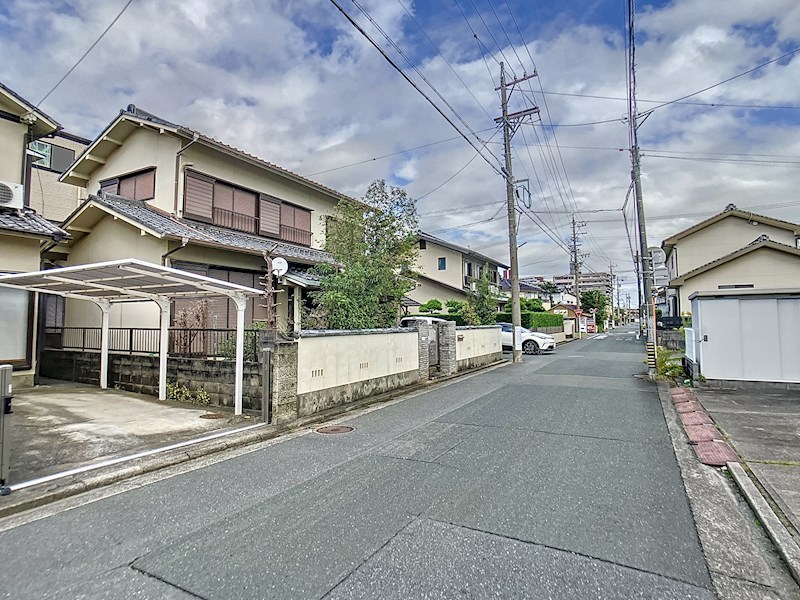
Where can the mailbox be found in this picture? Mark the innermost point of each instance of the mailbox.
(5, 427)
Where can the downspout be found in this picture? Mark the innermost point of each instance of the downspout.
(184, 241)
(178, 171)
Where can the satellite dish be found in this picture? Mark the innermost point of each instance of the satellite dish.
(279, 266)
(658, 256)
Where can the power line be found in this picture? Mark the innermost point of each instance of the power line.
(640, 100)
(415, 86)
(85, 54)
(733, 161)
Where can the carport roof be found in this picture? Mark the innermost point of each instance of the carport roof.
(124, 281)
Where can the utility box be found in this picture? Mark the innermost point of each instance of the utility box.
(5, 426)
(745, 335)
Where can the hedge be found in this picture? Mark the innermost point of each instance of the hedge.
(532, 320)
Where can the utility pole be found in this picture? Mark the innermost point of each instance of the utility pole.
(510, 124)
(611, 274)
(574, 246)
(646, 271)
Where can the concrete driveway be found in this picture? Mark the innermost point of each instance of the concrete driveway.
(764, 428)
(62, 425)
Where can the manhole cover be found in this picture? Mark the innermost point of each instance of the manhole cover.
(212, 416)
(334, 429)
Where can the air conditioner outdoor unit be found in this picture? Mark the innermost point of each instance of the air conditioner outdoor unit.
(10, 195)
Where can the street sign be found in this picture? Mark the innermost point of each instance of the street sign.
(657, 255)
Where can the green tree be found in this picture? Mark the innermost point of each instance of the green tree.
(455, 306)
(531, 304)
(433, 305)
(481, 301)
(595, 299)
(549, 288)
(374, 242)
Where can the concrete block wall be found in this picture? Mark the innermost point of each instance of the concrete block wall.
(448, 364)
(477, 346)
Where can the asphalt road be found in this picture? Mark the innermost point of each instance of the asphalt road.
(551, 479)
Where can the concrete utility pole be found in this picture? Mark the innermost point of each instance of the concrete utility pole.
(633, 124)
(508, 131)
(576, 261)
(611, 274)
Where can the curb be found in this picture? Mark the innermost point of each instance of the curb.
(35, 497)
(780, 536)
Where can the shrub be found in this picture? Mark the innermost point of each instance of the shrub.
(533, 320)
(668, 363)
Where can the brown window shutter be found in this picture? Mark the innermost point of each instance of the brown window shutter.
(146, 185)
(270, 216)
(198, 196)
(223, 196)
(302, 219)
(244, 202)
(127, 187)
(287, 215)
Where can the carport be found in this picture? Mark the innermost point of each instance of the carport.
(131, 280)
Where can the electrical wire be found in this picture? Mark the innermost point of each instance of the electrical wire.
(85, 54)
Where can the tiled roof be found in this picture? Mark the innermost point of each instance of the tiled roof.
(165, 224)
(141, 114)
(29, 222)
(434, 240)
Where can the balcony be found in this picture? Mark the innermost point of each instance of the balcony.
(233, 220)
(295, 236)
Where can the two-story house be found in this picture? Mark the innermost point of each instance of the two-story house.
(22, 230)
(734, 249)
(49, 197)
(448, 271)
(167, 194)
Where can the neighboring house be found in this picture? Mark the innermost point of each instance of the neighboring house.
(21, 230)
(526, 290)
(761, 265)
(49, 197)
(168, 194)
(448, 271)
(723, 235)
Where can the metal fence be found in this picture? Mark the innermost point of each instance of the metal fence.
(195, 343)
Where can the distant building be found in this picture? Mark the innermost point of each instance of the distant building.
(600, 282)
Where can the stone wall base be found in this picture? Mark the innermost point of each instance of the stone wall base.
(317, 401)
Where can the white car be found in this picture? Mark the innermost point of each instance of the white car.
(533, 342)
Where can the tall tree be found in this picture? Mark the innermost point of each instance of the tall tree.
(482, 302)
(549, 288)
(595, 299)
(374, 244)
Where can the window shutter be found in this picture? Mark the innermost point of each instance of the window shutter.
(109, 186)
(146, 185)
(127, 187)
(302, 219)
(198, 196)
(61, 158)
(270, 216)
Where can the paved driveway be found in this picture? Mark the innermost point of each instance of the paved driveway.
(63, 425)
(764, 428)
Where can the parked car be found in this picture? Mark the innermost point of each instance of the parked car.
(533, 342)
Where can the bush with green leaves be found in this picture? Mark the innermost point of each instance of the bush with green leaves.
(533, 320)
(668, 362)
(433, 305)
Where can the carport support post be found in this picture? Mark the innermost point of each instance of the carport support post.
(163, 348)
(104, 305)
(241, 304)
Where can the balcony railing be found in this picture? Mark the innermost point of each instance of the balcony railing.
(295, 236)
(233, 220)
(194, 343)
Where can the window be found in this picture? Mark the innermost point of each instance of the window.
(469, 269)
(423, 244)
(136, 186)
(15, 323)
(442, 263)
(221, 203)
(56, 158)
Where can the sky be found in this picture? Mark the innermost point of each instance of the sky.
(295, 83)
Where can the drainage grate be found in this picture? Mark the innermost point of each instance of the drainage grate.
(334, 429)
(213, 416)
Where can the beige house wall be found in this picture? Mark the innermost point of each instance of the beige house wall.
(335, 360)
(428, 265)
(11, 138)
(426, 290)
(721, 238)
(114, 240)
(51, 198)
(764, 269)
(18, 254)
(239, 172)
(144, 148)
(471, 343)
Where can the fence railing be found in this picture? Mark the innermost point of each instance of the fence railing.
(196, 343)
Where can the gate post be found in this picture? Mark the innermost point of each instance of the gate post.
(447, 348)
(423, 340)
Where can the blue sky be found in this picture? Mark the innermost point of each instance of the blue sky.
(296, 84)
